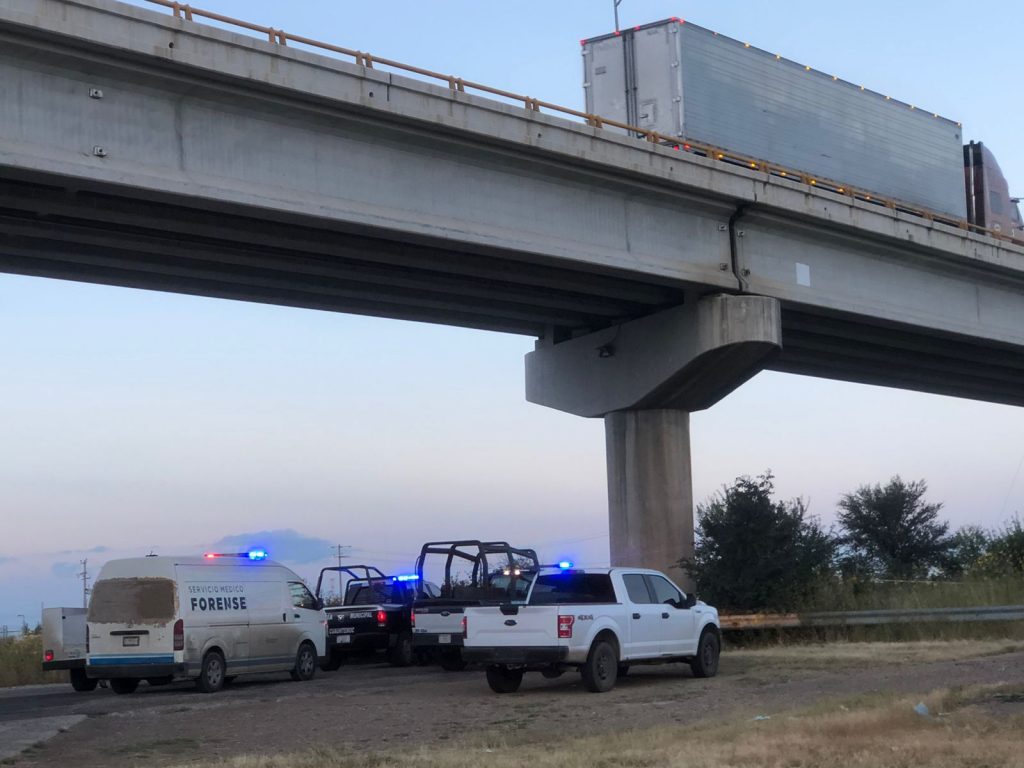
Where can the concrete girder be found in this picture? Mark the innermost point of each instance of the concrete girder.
(686, 358)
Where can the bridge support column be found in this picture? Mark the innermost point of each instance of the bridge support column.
(644, 378)
(650, 489)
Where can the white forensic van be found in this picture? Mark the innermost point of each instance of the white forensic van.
(207, 619)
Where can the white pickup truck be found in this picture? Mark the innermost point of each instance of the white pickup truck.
(597, 620)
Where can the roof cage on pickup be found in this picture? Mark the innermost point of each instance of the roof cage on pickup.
(355, 572)
(483, 557)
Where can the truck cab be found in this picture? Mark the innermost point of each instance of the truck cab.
(989, 204)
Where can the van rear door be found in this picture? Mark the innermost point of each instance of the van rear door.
(131, 621)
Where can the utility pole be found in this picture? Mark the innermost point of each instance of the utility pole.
(84, 576)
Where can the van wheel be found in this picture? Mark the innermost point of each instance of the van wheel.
(124, 684)
(705, 663)
(400, 655)
(80, 682)
(305, 663)
(211, 673)
(601, 668)
(504, 680)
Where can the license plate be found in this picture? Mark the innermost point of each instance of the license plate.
(343, 639)
(444, 638)
(130, 640)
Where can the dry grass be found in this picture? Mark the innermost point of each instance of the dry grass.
(825, 656)
(966, 729)
(21, 663)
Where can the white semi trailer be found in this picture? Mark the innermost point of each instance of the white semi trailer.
(695, 85)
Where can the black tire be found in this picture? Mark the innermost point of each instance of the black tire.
(452, 661)
(401, 653)
(709, 648)
(80, 682)
(504, 680)
(211, 673)
(552, 673)
(601, 669)
(305, 663)
(623, 669)
(332, 662)
(165, 680)
(124, 684)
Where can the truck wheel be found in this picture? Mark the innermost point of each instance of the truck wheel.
(305, 663)
(504, 680)
(80, 682)
(400, 654)
(705, 663)
(211, 673)
(601, 668)
(124, 684)
(332, 662)
(452, 661)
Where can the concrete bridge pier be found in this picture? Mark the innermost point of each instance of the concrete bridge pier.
(644, 378)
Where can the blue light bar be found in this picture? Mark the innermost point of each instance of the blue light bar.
(257, 554)
(409, 577)
(566, 564)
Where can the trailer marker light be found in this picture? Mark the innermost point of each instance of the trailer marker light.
(565, 564)
(48, 656)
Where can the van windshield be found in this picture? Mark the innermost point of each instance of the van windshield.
(132, 601)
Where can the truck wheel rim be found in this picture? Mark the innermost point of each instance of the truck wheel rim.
(306, 662)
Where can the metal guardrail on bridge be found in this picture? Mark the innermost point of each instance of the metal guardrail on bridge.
(772, 171)
(868, 618)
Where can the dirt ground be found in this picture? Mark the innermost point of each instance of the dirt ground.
(373, 707)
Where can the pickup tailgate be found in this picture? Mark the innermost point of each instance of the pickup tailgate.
(523, 625)
(344, 622)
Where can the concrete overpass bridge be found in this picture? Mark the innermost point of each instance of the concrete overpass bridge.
(144, 150)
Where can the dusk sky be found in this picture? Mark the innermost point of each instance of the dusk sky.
(135, 421)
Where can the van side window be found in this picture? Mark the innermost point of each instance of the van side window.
(301, 596)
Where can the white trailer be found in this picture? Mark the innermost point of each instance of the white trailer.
(64, 644)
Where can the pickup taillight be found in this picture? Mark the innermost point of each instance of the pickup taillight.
(412, 618)
(565, 626)
(382, 618)
(179, 635)
(465, 627)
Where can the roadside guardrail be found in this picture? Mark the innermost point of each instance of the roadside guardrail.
(866, 618)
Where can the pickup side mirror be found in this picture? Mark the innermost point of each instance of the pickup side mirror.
(689, 601)
(319, 603)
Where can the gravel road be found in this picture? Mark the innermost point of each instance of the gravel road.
(376, 707)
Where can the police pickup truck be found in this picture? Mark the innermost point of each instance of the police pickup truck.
(597, 620)
(375, 614)
(474, 573)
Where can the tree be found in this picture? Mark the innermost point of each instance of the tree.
(968, 547)
(892, 531)
(753, 553)
(1005, 555)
